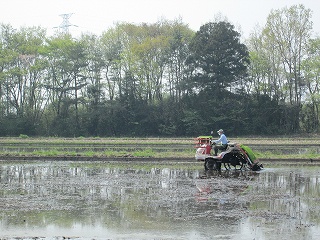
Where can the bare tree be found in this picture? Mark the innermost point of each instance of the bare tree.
(287, 30)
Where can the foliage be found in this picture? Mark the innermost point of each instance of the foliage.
(217, 56)
(277, 54)
(161, 79)
(23, 136)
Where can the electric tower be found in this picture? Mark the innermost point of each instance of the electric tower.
(64, 26)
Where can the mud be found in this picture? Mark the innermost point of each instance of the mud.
(156, 200)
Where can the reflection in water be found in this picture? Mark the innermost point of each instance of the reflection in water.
(99, 200)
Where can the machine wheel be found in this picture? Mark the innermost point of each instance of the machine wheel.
(211, 164)
(235, 161)
(240, 166)
(227, 166)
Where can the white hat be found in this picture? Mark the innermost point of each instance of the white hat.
(220, 130)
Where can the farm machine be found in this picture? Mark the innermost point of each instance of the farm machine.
(237, 156)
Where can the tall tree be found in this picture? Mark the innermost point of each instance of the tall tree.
(289, 29)
(22, 76)
(265, 68)
(65, 80)
(177, 73)
(218, 57)
(311, 75)
(219, 61)
(285, 35)
(112, 44)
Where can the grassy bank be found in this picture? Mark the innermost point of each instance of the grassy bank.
(264, 148)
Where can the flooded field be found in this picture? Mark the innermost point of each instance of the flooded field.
(152, 200)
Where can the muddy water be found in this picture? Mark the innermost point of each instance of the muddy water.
(101, 200)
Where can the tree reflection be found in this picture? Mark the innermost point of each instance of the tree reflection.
(133, 197)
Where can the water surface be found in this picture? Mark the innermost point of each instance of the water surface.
(108, 200)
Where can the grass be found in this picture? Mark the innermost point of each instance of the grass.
(146, 147)
(270, 155)
(149, 153)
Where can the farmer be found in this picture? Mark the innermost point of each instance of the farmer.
(222, 140)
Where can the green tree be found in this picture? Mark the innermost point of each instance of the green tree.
(139, 65)
(22, 73)
(288, 30)
(265, 68)
(218, 57)
(7, 57)
(112, 44)
(180, 36)
(93, 94)
(311, 74)
(65, 82)
(218, 61)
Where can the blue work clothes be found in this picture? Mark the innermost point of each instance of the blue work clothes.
(223, 139)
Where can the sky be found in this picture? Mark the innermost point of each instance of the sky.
(96, 16)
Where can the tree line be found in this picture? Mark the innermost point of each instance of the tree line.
(162, 79)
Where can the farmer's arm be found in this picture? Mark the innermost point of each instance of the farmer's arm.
(219, 140)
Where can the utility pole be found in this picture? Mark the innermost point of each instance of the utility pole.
(64, 26)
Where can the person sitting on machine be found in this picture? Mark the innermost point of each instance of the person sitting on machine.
(223, 140)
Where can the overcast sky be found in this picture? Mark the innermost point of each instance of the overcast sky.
(96, 16)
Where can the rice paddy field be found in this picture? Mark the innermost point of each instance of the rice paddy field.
(153, 188)
(156, 148)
